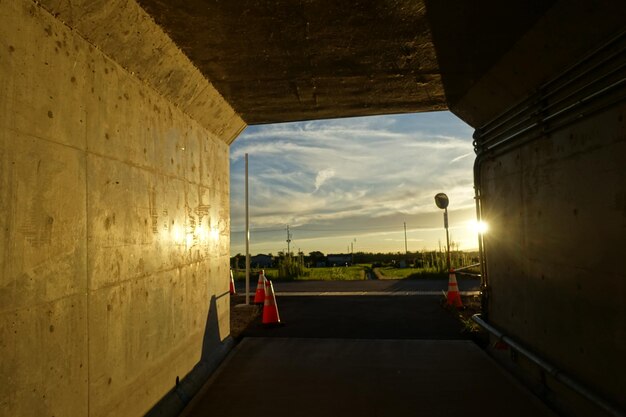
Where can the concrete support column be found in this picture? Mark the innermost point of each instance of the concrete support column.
(114, 212)
(553, 189)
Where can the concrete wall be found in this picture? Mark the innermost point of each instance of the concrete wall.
(555, 249)
(114, 224)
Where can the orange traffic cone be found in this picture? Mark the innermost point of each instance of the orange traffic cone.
(232, 283)
(270, 309)
(454, 297)
(259, 297)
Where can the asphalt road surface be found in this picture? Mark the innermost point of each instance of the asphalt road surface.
(362, 317)
(363, 310)
(365, 355)
(437, 285)
(294, 377)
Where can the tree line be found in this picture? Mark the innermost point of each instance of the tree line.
(433, 259)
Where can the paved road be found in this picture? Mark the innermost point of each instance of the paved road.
(359, 317)
(365, 356)
(291, 377)
(435, 285)
(389, 309)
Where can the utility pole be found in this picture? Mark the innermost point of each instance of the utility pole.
(352, 251)
(445, 222)
(247, 240)
(406, 250)
(288, 242)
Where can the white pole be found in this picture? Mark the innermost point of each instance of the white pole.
(247, 239)
(406, 248)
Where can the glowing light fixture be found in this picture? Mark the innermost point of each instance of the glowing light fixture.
(479, 227)
(202, 233)
(215, 233)
(177, 234)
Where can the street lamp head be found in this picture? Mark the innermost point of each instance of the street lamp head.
(441, 200)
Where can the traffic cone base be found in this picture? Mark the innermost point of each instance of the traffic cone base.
(270, 309)
(453, 296)
(259, 296)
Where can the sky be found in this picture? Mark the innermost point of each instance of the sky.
(351, 184)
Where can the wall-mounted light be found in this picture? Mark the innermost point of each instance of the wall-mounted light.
(202, 233)
(478, 227)
(177, 235)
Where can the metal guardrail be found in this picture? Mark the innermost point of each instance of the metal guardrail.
(466, 267)
(552, 370)
(463, 269)
(470, 274)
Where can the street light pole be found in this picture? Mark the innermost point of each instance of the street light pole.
(441, 200)
(445, 223)
(406, 248)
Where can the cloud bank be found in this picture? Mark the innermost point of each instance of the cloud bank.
(350, 177)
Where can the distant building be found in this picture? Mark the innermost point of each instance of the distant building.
(261, 261)
(339, 260)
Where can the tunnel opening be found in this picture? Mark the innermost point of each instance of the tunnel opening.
(335, 202)
(336, 180)
(114, 141)
(346, 207)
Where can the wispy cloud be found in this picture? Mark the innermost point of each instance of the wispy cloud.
(465, 155)
(322, 176)
(358, 171)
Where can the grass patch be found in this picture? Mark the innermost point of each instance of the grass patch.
(341, 273)
(471, 306)
(410, 273)
(254, 274)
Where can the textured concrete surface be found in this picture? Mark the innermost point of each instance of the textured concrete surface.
(557, 214)
(553, 43)
(114, 216)
(114, 221)
(331, 377)
(124, 32)
(298, 60)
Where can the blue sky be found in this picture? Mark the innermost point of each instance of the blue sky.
(353, 181)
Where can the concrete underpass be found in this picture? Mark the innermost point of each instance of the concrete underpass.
(115, 124)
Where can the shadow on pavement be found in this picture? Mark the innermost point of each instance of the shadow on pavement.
(362, 317)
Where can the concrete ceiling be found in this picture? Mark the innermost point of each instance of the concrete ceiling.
(287, 60)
